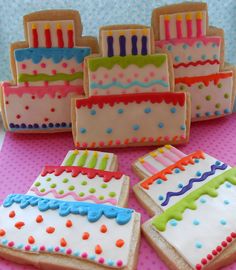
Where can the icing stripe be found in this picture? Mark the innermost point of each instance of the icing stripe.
(93, 211)
(71, 159)
(180, 165)
(199, 62)
(75, 171)
(146, 165)
(177, 152)
(93, 161)
(167, 97)
(170, 156)
(82, 160)
(165, 162)
(103, 163)
(188, 202)
(74, 195)
(194, 180)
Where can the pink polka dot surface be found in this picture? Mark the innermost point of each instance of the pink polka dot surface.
(23, 156)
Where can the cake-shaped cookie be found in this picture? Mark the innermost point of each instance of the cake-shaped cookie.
(47, 71)
(131, 100)
(197, 52)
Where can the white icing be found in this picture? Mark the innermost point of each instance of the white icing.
(210, 232)
(53, 30)
(72, 235)
(133, 114)
(182, 177)
(100, 155)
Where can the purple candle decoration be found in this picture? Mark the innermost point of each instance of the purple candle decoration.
(122, 41)
(144, 42)
(134, 42)
(110, 50)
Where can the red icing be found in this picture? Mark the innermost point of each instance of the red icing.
(103, 229)
(168, 170)
(48, 40)
(197, 63)
(204, 79)
(85, 236)
(63, 242)
(167, 97)
(39, 219)
(35, 38)
(204, 261)
(12, 214)
(70, 39)
(98, 249)
(75, 171)
(50, 230)
(19, 225)
(2, 232)
(60, 38)
(198, 267)
(68, 223)
(41, 91)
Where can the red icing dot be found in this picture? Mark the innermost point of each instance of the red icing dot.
(7, 102)
(151, 74)
(46, 83)
(35, 72)
(50, 230)
(121, 75)
(64, 65)
(103, 229)
(27, 107)
(12, 214)
(209, 257)
(69, 251)
(54, 72)
(146, 79)
(198, 267)
(94, 77)
(214, 252)
(43, 65)
(59, 96)
(233, 234)
(23, 66)
(39, 219)
(229, 239)
(106, 75)
(100, 82)
(219, 248)
(52, 110)
(19, 225)
(11, 244)
(72, 70)
(18, 116)
(101, 260)
(68, 223)
(31, 240)
(26, 84)
(136, 75)
(85, 236)
(204, 261)
(98, 249)
(42, 248)
(27, 248)
(119, 263)
(33, 97)
(63, 242)
(224, 243)
(46, 119)
(2, 232)
(120, 243)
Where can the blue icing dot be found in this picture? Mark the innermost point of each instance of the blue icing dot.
(199, 45)
(109, 130)
(203, 200)
(203, 57)
(177, 170)
(228, 185)
(34, 248)
(4, 241)
(215, 56)
(110, 262)
(185, 46)
(83, 130)
(214, 45)
(217, 113)
(136, 127)
(50, 249)
(217, 162)
(62, 250)
(160, 198)
(197, 160)
(198, 245)
(207, 113)
(92, 257)
(177, 58)
(161, 125)
(182, 127)
(120, 111)
(147, 110)
(169, 48)
(180, 185)
(159, 181)
(93, 112)
(223, 222)
(198, 115)
(173, 110)
(190, 58)
(226, 202)
(20, 246)
(198, 173)
(77, 253)
(173, 223)
(196, 222)
(226, 111)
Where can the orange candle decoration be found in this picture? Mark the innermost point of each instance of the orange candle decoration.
(199, 24)
(189, 25)
(70, 35)
(35, 36)
(60, 41)
(167, 26)
(179, 26)
(47, 34)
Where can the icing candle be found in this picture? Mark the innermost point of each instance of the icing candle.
(122, 41)
(199, 24)
(144, 42)
(148, 166)
(47, 34)
(179, 26)
(189, 25)
(70, 34)
(60, 41)
(167, 26)
(134, 42)
(110, 50)
(35, 36)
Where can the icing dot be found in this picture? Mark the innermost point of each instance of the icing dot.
(42, 190)
(2, 232)
(119, 263)
(177, 170)
(199, 45)
(203, 200)
(50, 230)
(104, 185)
(224, 243)
(214, 45)
(136, 127)
(226, 202)
(26, 108)
(208, 97)
(11, 244)
(161, 125)
(229, 239)
(204, 261)
(72, 71)
(101, 260)
(63, 242)
(219, 248)
(18, 116)
(147, 110)
(198, 173)
(177, 58)
(173, 223)
(215, 56)
(27, 248)
(185, 46)
(101, 197)
(71, 187)
(228, 185)
(65, 180)
(61, 191)
(198, 245)
(68, 251)
(173, 110)
(196, 160)
(180, 185)
(209, 257)
(84, 183)
(43, 65)
(92, 190)
(23, 66)
(223, 222)
(110, 262)
(159, 181)
(19, 225)
(84, 255)
(160, 198)
(214, 252)
(98, 249)
(112, 194)
(64, 65)
(182, 87)
(85, 236)
(198, 115)
(169, 48)
(31, 240)
(109, 130)
(68, 223)
(83, 130)
(54, 72)
(53, 185)
(48, 179)
(203, 57)
(120, 243)
(196, 222)
(182, 127)
(103, 229)
(226, 95)
(93, 112)
(217, 162)
(4, 241)
(190, 58)
(219, 85)
(233, 234)
(200, 86)
(12, 214)
(120, 111)
(52, 110)
(217, 105)
(39, 219)
(81, 194)
(226, 111)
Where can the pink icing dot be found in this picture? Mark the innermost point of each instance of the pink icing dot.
(43, 65)
(164, 78)
(114, 79)
(57, 249)
(136, 75)
(84, 144)
(23, 66)
(69, 251)
(35, 72)
(100, 82)
(151, 74)
(183, 137)
(129, 80)
(72, 70)
(26, 84)
(101, 260)
(167, 138)
(106, 75)
(11, 244)
(146, 79)
(42, 248)
(134, 139)
(121, 75)
(94, 77)
(27, 247)
(151, 139)
(46, 83)
(101, 143)
(54, 72)
(117, 142)
(84, 255)
(119, 263)
(64, 65)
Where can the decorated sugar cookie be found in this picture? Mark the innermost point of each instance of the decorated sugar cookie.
(197, 52)
(47, 70)
(131, 100)
(91, 159)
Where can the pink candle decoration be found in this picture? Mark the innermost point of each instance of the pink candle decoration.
(179, 26)
(167, 26)
(60, 41)
(189, 25)
(47, 34)
(70, 35)
(199, 24)
(35, 36)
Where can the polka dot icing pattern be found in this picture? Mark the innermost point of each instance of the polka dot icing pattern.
(199, 248)
(90, 159)
(57, 228)
(148, 130)
(79, 184)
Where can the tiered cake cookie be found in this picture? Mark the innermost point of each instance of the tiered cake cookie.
(197, 52)
(131, 100)
(70, 219)
(193, 200)
(91, 159)
(48, 71)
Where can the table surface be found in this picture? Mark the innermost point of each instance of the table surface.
(23, 156)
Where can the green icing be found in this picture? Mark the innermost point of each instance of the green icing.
(53, 185)
(104, 185)
(61, 191)
(124, 62)
(101, 197)
(65, 180)
(71, 188)
(37, 184)
(42, 190)
(112, 194)
(92, 162)
(48, 179)
(84, 183)
(81, 194)
(92, 190)
(103, 163)
(50, 78)
(82, 159)
(176, 211)
(71, 159)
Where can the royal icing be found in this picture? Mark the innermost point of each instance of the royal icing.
(72, 183)
(98, 233)
(90, 159)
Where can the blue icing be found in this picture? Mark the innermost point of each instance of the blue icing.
(196, 222)
(203, 200)
(20, 246)
(110, 262)
(83, 130)
(120, 111)
(177, 170)
(34, 248)
(92, 257)
(226, 202)
(147, 110)
(160, 198)
(180, 185)
(93, 112)
(50, 249)
(190, 58)
(226, 111)
(136, 127)
(223, 222)
(173, 223)
(93, 211)
(56, 54)
(159, 181)
(161, 125)
(173, 110)
(198, 245)
(77, 253)
(177, 58)
(109, 130)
